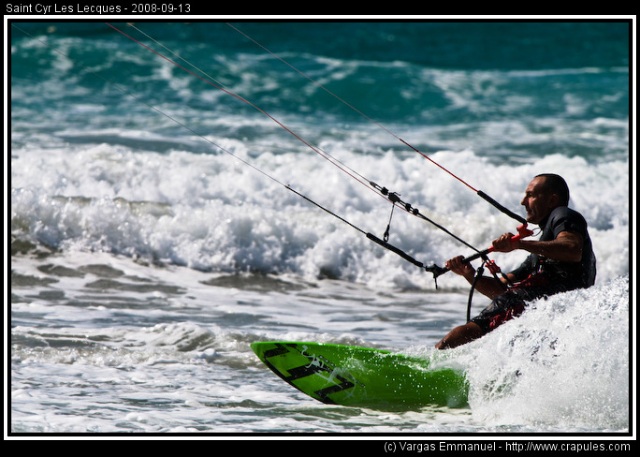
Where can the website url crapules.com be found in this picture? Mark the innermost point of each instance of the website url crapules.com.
(508, 446)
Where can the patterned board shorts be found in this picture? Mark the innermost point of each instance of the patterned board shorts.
(503, 308)
(513, 302)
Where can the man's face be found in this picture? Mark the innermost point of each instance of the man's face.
(537, 201)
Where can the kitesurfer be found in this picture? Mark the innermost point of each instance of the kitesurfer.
(561, 260)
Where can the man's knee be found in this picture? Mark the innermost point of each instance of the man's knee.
(460, 335)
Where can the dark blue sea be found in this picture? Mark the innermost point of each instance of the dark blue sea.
(182, 188)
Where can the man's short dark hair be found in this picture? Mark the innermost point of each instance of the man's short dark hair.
(557, 185)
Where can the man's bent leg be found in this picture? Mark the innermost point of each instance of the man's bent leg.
(460, 335)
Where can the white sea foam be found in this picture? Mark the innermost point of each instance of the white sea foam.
(211, 212)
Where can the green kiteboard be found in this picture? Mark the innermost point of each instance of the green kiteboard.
(363, 377)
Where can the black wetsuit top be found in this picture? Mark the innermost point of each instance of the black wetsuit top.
(572, 275)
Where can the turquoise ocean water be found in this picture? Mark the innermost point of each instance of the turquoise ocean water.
(154, 233)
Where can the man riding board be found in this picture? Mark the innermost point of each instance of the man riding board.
(561, 260)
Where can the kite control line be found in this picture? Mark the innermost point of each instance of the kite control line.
(393, 197)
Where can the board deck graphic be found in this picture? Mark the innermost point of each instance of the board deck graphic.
(363, 377)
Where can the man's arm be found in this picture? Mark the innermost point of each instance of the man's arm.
(486, 285)
(566, 247)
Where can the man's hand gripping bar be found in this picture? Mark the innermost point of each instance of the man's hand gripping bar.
(523, 232)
